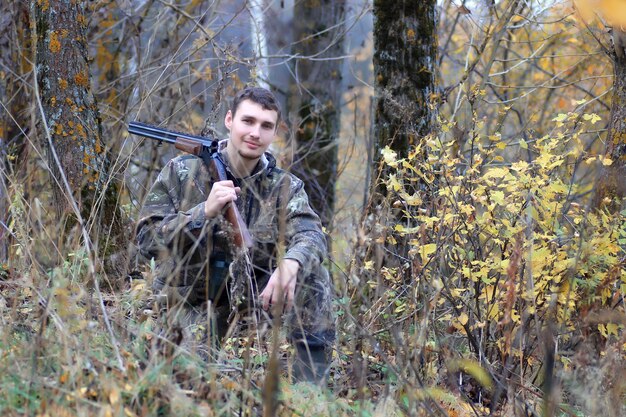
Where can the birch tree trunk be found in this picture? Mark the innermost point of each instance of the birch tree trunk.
(315, 99)
(611, 187)
(259, 41)
(73, 122)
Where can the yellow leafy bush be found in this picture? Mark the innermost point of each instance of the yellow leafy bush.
(502, 255)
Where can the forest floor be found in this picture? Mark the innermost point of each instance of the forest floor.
(58, 357)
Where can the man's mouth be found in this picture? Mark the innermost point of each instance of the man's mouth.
(252, 145)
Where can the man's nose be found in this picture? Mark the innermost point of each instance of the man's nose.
(255, 131)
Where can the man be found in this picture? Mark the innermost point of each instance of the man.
(182, 226)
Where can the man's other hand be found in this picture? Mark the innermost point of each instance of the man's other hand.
(222, 193)
(281, 286)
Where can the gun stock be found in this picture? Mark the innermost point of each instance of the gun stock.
(205, 149)
(241, 234)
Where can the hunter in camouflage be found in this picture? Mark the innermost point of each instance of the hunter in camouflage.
(202, 278)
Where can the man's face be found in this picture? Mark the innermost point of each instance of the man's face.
(252, 129)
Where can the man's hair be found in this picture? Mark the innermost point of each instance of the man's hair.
(259, 95)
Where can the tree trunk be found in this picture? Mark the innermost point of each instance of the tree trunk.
(405, 55)
(611, 188)
(73, 121)
(316, 98)
(6, 61)
(405, 52)
(13, 41)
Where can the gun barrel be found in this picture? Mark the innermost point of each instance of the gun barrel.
(158, 133)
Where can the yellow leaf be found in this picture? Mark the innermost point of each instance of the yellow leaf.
(494, 312)
(606, 161)
(463, 318)
(369, 265)
(393, 183)
(427, 250)
(114, 396)
(515, 316)
(404, 230)
(449, 217)
(472, 368)
(520, 166)
(611, 328)
(411, 200)
(523, 144)
(389, 156)
(498, 197)
(496, 173)
(436, 394)
(593, 118)
(457, 292)
(428, 221)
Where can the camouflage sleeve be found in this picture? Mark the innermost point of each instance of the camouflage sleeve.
(167, 220)
(307, 243)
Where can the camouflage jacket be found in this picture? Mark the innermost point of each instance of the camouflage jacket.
(173, 228)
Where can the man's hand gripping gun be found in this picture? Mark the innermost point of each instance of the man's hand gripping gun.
(205, 149)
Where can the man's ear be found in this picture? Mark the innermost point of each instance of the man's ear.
(228, 120)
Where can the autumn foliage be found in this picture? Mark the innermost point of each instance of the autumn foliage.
(511, 264)
(488, 280)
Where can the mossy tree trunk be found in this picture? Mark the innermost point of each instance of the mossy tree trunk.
(73, 122)
(315, 98)
(611, 187)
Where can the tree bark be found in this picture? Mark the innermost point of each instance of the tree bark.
(611, 188)
(13, 42)
(315, 99)
(73, 121)
(405, 55)
(6, 62)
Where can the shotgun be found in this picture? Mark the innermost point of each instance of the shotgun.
(205, 149)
